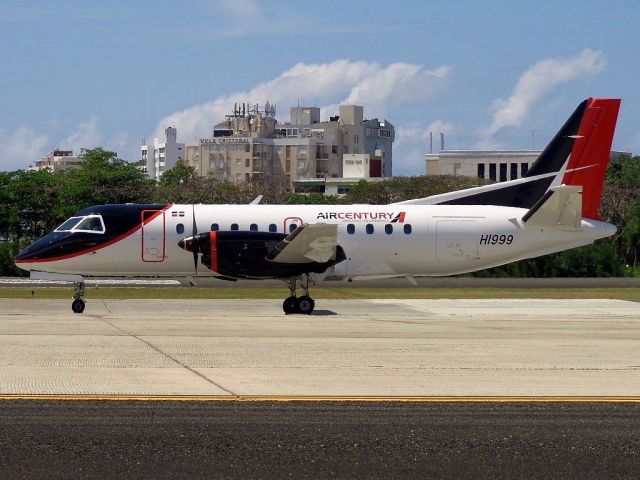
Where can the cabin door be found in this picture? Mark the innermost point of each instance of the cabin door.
(153, 235)
(456, 240)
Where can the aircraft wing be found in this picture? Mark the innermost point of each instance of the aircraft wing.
(315, 242)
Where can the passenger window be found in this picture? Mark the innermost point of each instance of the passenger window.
(407, 228)
(253, 227)
(179, 229)
(215, 227)
(234, 226)
(388, 228)
(292, 227)
(351, 229)
(369, 228)
(273, 227)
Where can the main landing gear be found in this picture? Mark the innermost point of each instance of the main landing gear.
(78, 302)
(303, 304)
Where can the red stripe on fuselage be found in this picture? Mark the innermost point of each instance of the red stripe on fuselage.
(213, 250)
(97, 247)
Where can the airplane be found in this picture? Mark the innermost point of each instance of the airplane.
(554, 207)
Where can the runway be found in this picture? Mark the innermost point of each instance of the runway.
(236, 349)
(361, 389)
(318, 440)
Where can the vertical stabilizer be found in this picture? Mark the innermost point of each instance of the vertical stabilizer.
(591, 153)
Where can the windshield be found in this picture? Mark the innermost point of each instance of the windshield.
(89, 223)
(69, 224)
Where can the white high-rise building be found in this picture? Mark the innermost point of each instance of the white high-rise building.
(160, 157)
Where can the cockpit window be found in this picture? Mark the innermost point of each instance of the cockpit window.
(90, 223)
(69, 224)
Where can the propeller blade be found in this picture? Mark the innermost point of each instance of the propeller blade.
(194, 233)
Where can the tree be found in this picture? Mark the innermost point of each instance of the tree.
(625, 172)
(29, 200)
(104, 178)
(179, 174)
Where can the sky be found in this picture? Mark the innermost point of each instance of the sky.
(490, 74)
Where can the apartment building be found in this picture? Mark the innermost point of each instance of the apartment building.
(250, 143)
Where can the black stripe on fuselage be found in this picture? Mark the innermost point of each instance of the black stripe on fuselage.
(551, 160)
(118, 220)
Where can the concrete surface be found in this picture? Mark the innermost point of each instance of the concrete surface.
(348, 347)
(398, 282)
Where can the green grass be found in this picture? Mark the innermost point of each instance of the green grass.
(327, 293)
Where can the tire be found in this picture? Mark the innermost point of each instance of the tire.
(305, 305)
(290, 305)
(77, 306)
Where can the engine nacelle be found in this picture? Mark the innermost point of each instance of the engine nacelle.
(247, 255)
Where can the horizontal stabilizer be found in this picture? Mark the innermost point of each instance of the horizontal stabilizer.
(560, 207)
(308, 243)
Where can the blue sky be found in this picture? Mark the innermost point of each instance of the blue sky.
(84, 73)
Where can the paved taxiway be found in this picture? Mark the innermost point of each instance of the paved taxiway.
(347, 348)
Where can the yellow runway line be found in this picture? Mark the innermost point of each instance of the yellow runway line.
(310, 398)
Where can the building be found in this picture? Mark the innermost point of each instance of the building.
(58, 160)
(355, 167)
(251, 143)
(496, 165)
(161, 156)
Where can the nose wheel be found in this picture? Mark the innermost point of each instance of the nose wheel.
(78, 304)
(303, 304)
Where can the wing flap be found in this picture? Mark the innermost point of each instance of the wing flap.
(315, 242)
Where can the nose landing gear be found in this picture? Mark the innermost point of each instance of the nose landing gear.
(304, 304)
(78, 304)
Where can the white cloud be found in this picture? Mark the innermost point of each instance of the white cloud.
(399, 83)
(20, 148)
(86, 135)
(378, 88)
(540, 79)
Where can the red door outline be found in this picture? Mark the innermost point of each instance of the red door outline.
(289, 220)
(146, 220)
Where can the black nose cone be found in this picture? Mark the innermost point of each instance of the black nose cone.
(47, 247)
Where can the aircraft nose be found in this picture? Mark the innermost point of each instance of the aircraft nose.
(44, 248)
(27, 257)
(22, 255)
(29, 253)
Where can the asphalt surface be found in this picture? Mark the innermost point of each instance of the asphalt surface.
(121, 439)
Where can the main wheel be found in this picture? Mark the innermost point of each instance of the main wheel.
(77, 306)
(305, 305)
(289, 305)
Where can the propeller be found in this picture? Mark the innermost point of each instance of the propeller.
(193, 236)
(192, 243)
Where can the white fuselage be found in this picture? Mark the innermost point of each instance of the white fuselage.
(378, 240)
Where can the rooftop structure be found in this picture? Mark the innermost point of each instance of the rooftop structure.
(161, 156)
(58, 160)
(250, 143)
